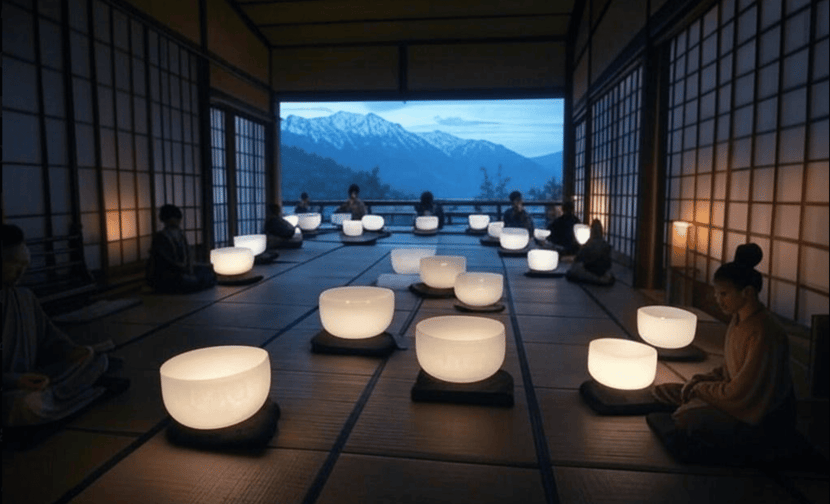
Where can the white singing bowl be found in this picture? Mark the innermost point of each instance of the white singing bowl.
(582, 232)
(352, 227)
(215, 387)
(426, 223)
(478, 221)
(479, 289)
(460, 349)
(309, 221)
(622, 364)
(541, 234)
(439, 272)
(408, 261)
(294, 220)
(356, 312)
(666, 326)
(255, 242)
(542, 260)
(494, 229)
(514, 238)
(232, 260)
(338, 218)
(372, 222)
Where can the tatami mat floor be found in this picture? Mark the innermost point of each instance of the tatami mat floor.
(349, 432)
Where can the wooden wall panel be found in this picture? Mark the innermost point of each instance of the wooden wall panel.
(616, 29)
(230, 38)
(335, 69)
(181, 16)
(241, 89)
(580, 79)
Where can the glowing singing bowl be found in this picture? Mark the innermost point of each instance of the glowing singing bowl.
(622, 364)
(514, 238)
(338, 218)
(426, 223)
(478, 221)
(542, 260)
(309, 221)
(439, 272)
(479, 289)
(372, 222)
(294, 220)
(352, 227)
(215, 387)
(460, 349)
(494, 229)
(582, 233)
(408, 261)
(666, 326)
(541, 234)
(254, 242)
(232, 260)
(356, 312)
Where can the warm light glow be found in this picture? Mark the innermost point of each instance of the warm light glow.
(541, 234)
(494, 229)
(679, 242)
(294, 220)
(408, 261)
(514, 238)
(622, 364)
(372, 222)
(582, 233)
(478, 221)
(232, 260)
(460, 349)
(215, 387)
(479, 289)
(666, 326)
(426, 222)
(352, 227)
(338, 218)
(542, 260)
(309, 221)
(439, 272)
(255, 242)
(356, 312)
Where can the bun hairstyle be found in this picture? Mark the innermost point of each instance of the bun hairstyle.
(741, 272)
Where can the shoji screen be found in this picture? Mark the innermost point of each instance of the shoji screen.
(250, 175)
(579, 169)
(221, 237)
(747, 145)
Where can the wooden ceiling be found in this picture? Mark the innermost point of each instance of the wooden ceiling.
(326, 23)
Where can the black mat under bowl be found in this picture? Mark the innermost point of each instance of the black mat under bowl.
(310, 233)
(494, 391)
(608, 401)
(425, 290)
(294, 243)
(421, 232)
(364, 239)
(513, 253)
(689, 353)
(377, 346)
(489, 241)
(253, 433)
(476, 232)
(266, 258)
(544, 274)
(237, 280)
(493, 308)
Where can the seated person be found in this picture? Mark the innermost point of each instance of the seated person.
(749, 401)
(278, 231)
(46, 376)
(354, 204)
(562, 231)
(516, 215)
(304, 206)
(170, 267)
(427, 206)
(592, 263)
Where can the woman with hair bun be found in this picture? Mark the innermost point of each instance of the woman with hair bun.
(750, 398)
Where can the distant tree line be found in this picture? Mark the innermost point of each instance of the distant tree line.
(496, 188)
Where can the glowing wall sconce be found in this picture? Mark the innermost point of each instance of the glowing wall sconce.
(407, 261)
(542, 260)
(255, 242)
(514, 238)
(338, 218)
(679, 242)
(372, 222)
(215, 387)
(666, 326)
(541, 234)
(479, 221)
(479, 289)
(294, 220)
(582, 232)
(232, 261)
(622, 364)
(460, 349)
(356, 312)
(494, 229)
(309, 221)
(426, 223)
(352, 227)
(439, 272)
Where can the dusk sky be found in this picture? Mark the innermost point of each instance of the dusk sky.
(530, 127)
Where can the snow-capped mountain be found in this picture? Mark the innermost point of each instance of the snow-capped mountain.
(442, 163)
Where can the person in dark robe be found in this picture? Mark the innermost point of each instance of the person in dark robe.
(749, 401)
(562, 231)
(304, 206)
(354, 205)
(278, 231)
(516, 216)
(170, 267)
(592, 263)
(428, 207)
(46, 376)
